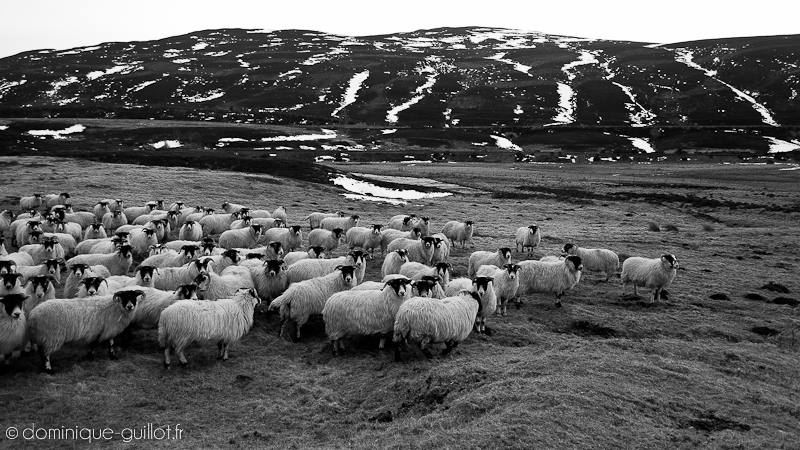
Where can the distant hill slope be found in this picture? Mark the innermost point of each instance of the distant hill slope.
(450, 77)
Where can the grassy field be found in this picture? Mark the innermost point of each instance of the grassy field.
(603, 372)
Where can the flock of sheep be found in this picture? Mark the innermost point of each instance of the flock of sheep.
(203, 272)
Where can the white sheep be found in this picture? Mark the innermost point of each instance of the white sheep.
(549, 277)
(21, 230)
(197, 215)
(32, 202)
(368, 239)
(50, 248)
(223, 322)
(401, 223)
(51, 200)
(241, 238)
(459, 231)
(67, 242)
(82, 218)
(214, 286)
(327, 239)
(270, 279)
(315, 218)
(102, 246)
(244, 222)
(229, 207)
(113, 220)
(114, 204)
(419, 250)
(317, 252)
(92, 287)
(190, 231)
(172, 259)
(305, 298)
(132, 212)
(652, 273)
(280, 213)
(79, 271)
(363, 313)
(224, 260)
(442, 251)
(155, 301)
(95, 231)
(416, 271)
(390, 234)
(11, 283)
(13, 325)
(291, 238)
(268, 222)
(141, 239)
(17, 258)
(143, 275)
(392, 262)
(484, 287)
(117, 263)
(6, 218)
(38, 289)
(312, 268)
(59, 321)
(430, 320)
(344, 223)
(170, 278)
(273, 250)
(50, 267)
(528, 237)
(479, 258)
(506, 283)
(259, 214)
(595, 259)
(217, 223)
(100, 209)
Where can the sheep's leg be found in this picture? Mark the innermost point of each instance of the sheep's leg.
(7, 359)
(299, 325)
(423, 344)
(558, 299)
(181, 356)
(111, 352)
(334, 343)
(382, 343)
(656, 295)
(399, 345)
(449, 347)
(224, 352)
(221, 348)
(90, 355)
(635, 290)
(166, 357)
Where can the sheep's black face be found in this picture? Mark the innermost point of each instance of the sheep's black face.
(233, 255)
(441, 268)
(7, 267)
(348, 274)
(512, 270)
(482, 284)
(671, 259)
(295, 229)
(403, 253)
(92, 284)
(202, 281)
(125, 251)
(146, 273)
(533, 229)
(10, 280)
(576, 261)
(40, 284)
(254, 256)
(129, 299)
(277, 247)
(53, 266)
(399, 285)
(319, 251)
(187, 291)
(429, 242)
(79, 269)
(273, 267)
(12, 305)
(424, 288)
(506, 252)
(208, 248)
(568, 247)
(202, 265)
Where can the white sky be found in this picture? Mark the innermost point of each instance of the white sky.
(62, 24)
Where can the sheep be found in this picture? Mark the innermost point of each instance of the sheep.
(13, 325)
(232, 207)
(241, 238)
(173, 259)
(224, 322)
(141, 240)
(82, 218)
(176, 206)
(259, 214)
(162, 226)
(113, 220)
(170, 278)
(401, 223)
(38, 289)
(506, 282)
(224, 260)
(420, 250)
(117, 263)
(488, 297)
(244, 222)
(390, 234)
(528, 237)
(197, 215)
(103, 246)
(50, 248)
(327, 239)
(429, 320)
(367, 238)
(291, 238)
(311, 268)
(217, 223)
(114, 204)
(92, 287)
(95, 231)
(304, 298)
(100, 209)
(442, 251)
(429, 286)
(59, 321)
(653, 273)
(459, 231)
(143, 275)
(67, 242)
(367, 312)
(315, 218)
(345, 223)
(595, 259)
(479, 258)
(151, 216)
(23, 230)
(190, 231)
(280, 213)
(50, 267)
(32, 202)
(132, 212)
(79, 271)
(51, 200)
(6, 217)
(416, 271)
(392, 262)
(270, 279)
(214, 286)
(549, 276)
(316, 252)
(273, 250)
(149, 309)
(267, 222)
(11, 283)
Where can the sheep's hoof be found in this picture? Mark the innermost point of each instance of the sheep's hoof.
(166, 365)
(558, 305)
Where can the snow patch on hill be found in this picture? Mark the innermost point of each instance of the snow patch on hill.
(351, 93)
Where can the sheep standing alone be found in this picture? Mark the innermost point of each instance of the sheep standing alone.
(549, 276)
(459, 231)
(528, 237)
(13, 325)
(367, 238)
(363, 313)
(59, 321)
(344, 223)
(315, 218)
(656, 273)
(392, 262)
(420, 250)
(327, 239)
(223, 321)
(479, 258)
(305, 298)
(430, 320)
(506, 282)
(595, 259)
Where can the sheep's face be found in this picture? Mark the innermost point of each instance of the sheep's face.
(202, 281)
(92, 285)
(429, 242)
(416, 233)
(532, 229)
(273, 267)
(400, 285)
(201, 265)
(34, 225)
(670, 260)
(233, 255)
(7, 267)
(296, 230)
(187, 291)
(78, 270)
(357, 258)
(337, 233)
(129, 299)
(506, 252)
(11, 280)
(348, 274)
(40, 285)
(125, 250)
(512, 270)
(570, 249)
(317, 252)
(12, 305)
(146, 273)
(482, 284)
(441, 269)
(53, 266)
(208, 248)
(575, 261)
(277, 248)
(424, 288)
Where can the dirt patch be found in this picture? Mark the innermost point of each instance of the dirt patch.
(765, 331)
(585, 327)
(709, 421)
(775, 287)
